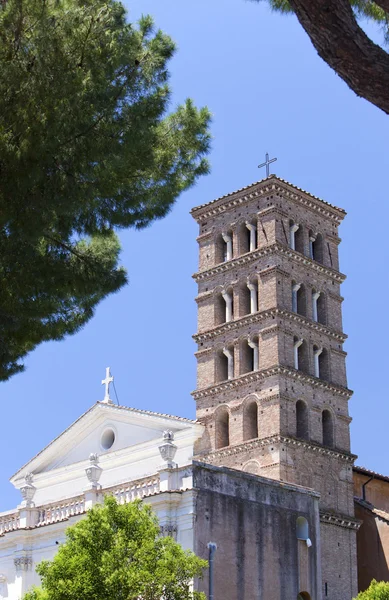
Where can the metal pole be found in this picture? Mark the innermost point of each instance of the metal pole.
(212, 547)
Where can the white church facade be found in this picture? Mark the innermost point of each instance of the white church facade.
(109, 450)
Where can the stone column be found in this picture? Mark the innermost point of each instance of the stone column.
(316, 355)
(296, 347)
(229, 305)
(312, 239)
(253, 231)
(253, 296)
(227, 237)
(230, 358)
(292, 239)
(254, 346)
(295, 289)
(315, 297)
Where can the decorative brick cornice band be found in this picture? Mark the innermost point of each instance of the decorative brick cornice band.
(204, 236)
(276, 269)
(278, 439)
(336, 297)
(340, 520)
(272, 249)
(264, 188)
(267, 314)
(272, 209)
(263, 374)
(334, 238)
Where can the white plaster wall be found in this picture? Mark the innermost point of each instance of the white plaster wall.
(41, 543)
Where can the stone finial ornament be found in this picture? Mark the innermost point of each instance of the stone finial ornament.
(168, 450)
(28, 491)
(93, 472)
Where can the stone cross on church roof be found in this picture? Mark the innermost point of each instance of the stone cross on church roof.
(267, 164)
(108, 379)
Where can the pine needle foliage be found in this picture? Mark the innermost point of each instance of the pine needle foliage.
(117, 553)
(376, 591)
(87, 147)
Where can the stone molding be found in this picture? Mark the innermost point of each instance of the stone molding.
(339, 520)
(278, 439)
(258, 375)
(268, 314)
(267, 186)
(23, 563)
(271, 249)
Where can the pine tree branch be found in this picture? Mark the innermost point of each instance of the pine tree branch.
(384, 4)
(338, 39)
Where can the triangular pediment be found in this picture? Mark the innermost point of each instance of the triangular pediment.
(104, 428)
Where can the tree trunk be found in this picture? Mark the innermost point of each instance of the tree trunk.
(338, 39)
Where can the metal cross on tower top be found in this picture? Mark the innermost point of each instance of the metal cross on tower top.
(266, 164)
(108, 379)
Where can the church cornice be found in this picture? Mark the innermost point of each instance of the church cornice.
(268, 314)
(270, 185)
(278, 439)
(272, 249)
(248, 378)
(339, 520)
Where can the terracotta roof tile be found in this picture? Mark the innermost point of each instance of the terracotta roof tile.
(267, 179)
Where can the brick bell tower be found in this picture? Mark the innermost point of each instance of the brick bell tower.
(271, 377)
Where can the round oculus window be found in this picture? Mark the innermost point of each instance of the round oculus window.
(108, 439)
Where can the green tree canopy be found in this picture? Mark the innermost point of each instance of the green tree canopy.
(376, 591)
(335, 32)
(87, 146)
(116, 553)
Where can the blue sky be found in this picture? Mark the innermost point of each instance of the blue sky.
(268, 92)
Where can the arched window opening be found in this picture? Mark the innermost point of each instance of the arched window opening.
(299, 240)
(224, 249)
(250, 421)
(301, 301)
(301, 356)
(303, 596)
(318, 248)
(244, 300)
(220, 309)
(225, 364)
(249, 356)
(302, 428)
(324, 365)
(244, 239)
(321, 309)
(328, 428)
(222, 429)
(302, 528)
(312, 239)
